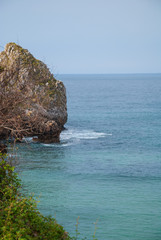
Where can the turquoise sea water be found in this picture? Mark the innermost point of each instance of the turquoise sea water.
(107, 166)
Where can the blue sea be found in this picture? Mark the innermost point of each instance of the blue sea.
(106, 170)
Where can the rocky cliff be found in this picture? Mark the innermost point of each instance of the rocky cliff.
(32, 101)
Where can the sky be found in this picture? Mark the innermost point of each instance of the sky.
(86, 36)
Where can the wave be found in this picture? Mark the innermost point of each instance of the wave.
(72, 134)
(55, 145)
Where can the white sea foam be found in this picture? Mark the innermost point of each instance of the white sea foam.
(27, 139)
(61, 144)
(73, 134)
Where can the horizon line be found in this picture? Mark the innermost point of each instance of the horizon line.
(105, 73)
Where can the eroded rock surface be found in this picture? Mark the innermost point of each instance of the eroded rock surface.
(43, 109)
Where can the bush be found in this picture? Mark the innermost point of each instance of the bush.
(19, 216)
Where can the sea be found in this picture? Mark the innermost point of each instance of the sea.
(103, 180)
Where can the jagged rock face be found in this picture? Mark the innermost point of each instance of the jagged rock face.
(45, 96)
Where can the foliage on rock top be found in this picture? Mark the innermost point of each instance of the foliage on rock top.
(30, 74)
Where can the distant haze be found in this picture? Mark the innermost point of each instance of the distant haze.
(86, 36)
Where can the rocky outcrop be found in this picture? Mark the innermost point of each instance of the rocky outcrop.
(41, 100)
(3, 148)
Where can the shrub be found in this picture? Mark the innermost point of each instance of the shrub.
(19, 216)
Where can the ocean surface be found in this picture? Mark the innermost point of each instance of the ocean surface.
(106, 170)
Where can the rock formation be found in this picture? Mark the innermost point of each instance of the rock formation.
(3, 148)
(32, 101)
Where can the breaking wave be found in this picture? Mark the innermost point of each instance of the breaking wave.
(73, 134)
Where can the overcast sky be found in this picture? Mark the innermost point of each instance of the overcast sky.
(86, 36)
